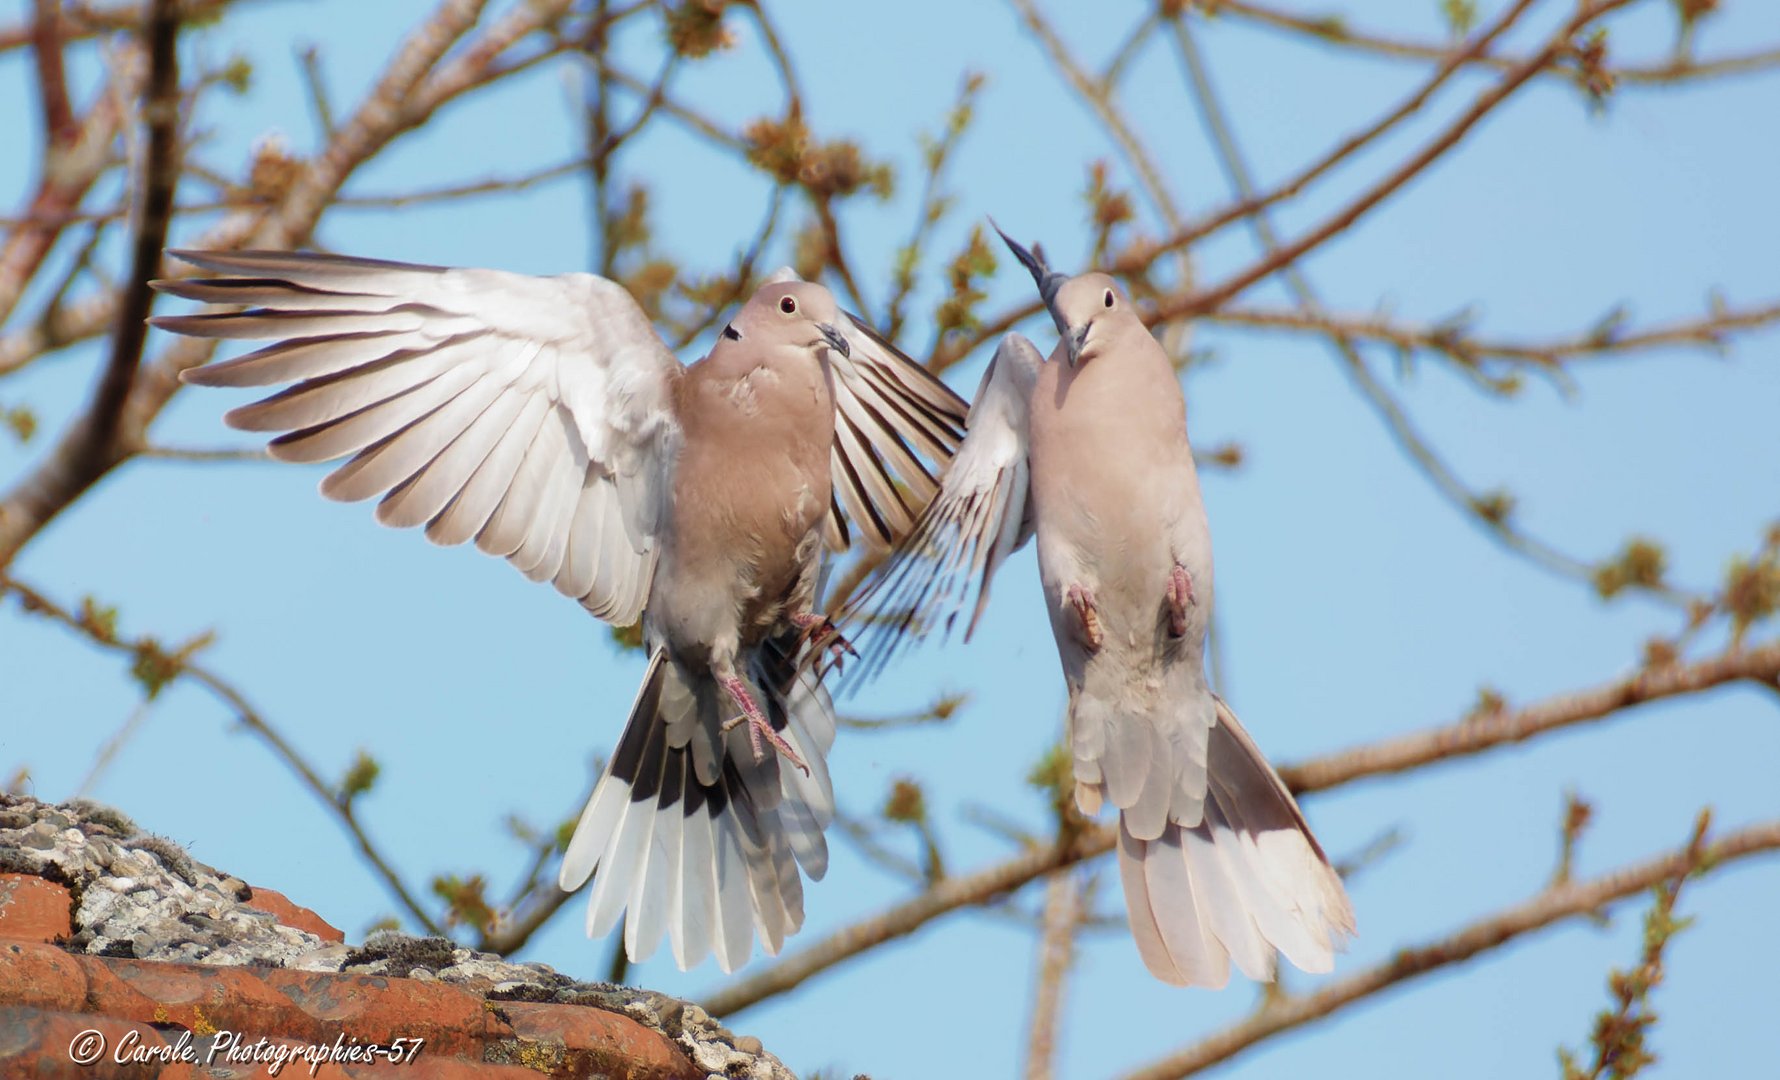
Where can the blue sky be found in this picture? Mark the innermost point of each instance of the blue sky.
(1354, 603)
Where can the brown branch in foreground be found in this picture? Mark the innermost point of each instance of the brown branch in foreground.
(95, 441)
(1546, 908)
(1472, 735)
(35, 602)
(156, 180)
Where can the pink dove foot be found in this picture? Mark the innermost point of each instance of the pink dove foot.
(1180, 595)
(1083, 602)
(759, 727)
(821, 633)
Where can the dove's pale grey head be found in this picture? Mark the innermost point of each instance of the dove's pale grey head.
(1084, 306)
(796, 313)
(1094, 314)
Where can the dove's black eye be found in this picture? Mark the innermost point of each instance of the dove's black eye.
(788, 305)
(1109, 298)
(732, 333)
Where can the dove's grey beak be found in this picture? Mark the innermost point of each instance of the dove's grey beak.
(1075, 339)
(835, 339)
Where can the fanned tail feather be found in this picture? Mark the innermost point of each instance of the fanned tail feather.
(1246, 881)
(686, 831)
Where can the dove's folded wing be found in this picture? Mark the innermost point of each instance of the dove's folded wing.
(532, 414)
(889, 413)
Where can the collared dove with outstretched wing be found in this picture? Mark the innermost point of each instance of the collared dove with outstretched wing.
(1088, 451)
(545, 419)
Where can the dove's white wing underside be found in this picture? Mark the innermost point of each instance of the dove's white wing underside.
(531, 414)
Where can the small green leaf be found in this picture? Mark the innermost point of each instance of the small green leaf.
(360, 776)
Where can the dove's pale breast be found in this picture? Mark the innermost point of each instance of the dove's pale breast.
(1115, 493)
(750, 490)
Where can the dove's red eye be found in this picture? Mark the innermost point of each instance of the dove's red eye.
(788, 306)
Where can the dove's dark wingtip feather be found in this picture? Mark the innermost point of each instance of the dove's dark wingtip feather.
(1034, 263)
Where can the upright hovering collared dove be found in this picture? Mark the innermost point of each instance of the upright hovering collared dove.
(545, 418)
(1089, 450)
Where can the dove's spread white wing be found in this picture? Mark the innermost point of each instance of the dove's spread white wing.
(979, 517)
(533, 414)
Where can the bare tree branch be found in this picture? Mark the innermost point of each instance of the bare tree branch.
(1142, 256)
(1491, 729)
(156, 180)
(1353, 143)
(1097, 94)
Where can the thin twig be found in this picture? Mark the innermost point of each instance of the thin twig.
(1709, 332)
(309, 59)
(197, 453)
(1097, 95)
(109, 750)
(1056, 954)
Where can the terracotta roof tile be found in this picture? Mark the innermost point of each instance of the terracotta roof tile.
(32, 909)
(479, 1016)
(279, 906)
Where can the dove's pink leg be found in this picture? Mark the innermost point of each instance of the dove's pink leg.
(820, 631)
(759, 727)
(1180, 594)
(1083, 602)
